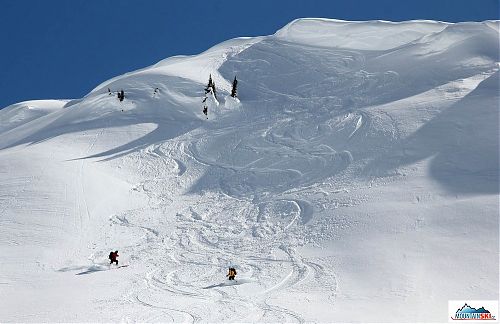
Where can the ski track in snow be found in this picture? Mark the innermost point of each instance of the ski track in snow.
(84, 221)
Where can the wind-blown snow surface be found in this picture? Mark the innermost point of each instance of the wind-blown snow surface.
(357, 180)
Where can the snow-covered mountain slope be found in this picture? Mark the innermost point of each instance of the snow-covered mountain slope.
(24, 112)
(357, 180)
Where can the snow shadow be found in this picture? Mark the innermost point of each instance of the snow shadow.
(94, 268)
(462, 143)
(350, 78)
(340, 81)
(163, 132)
(73, 268)
(86, 269)
(214, 286)
(99, 110)
(229, 283)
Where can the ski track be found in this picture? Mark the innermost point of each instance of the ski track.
(82, 197)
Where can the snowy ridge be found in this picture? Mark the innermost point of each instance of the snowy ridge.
(24, 112)
(362, 35)
(338, 187)
(195, 67)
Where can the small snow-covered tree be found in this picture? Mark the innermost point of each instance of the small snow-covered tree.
(232, 101)
(210, 99)
(210, 85)
(234, 90)
(121, 95)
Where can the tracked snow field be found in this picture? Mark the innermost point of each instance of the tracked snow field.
(358, 175)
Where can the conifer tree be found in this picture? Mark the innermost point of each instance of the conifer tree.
(234, 91)
(209, 88)
(210, 85)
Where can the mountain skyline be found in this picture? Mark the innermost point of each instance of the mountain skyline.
(53, 53)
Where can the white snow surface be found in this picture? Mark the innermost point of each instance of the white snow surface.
(356, 180)
(24, 112)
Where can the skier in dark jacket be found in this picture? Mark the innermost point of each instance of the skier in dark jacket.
(231, 274)
(113, 256)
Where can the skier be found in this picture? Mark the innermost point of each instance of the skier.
(231, 274)
(113, 256)
(205, 111)
(121, 95)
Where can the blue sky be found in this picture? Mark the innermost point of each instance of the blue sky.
(63, 49)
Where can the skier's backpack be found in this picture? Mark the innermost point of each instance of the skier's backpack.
(111, 255)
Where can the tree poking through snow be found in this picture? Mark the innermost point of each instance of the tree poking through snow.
(234, 91)
(210, 85)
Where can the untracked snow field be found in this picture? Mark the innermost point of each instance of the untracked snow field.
(356, 180)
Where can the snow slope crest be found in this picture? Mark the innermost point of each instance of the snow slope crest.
(368, 35)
